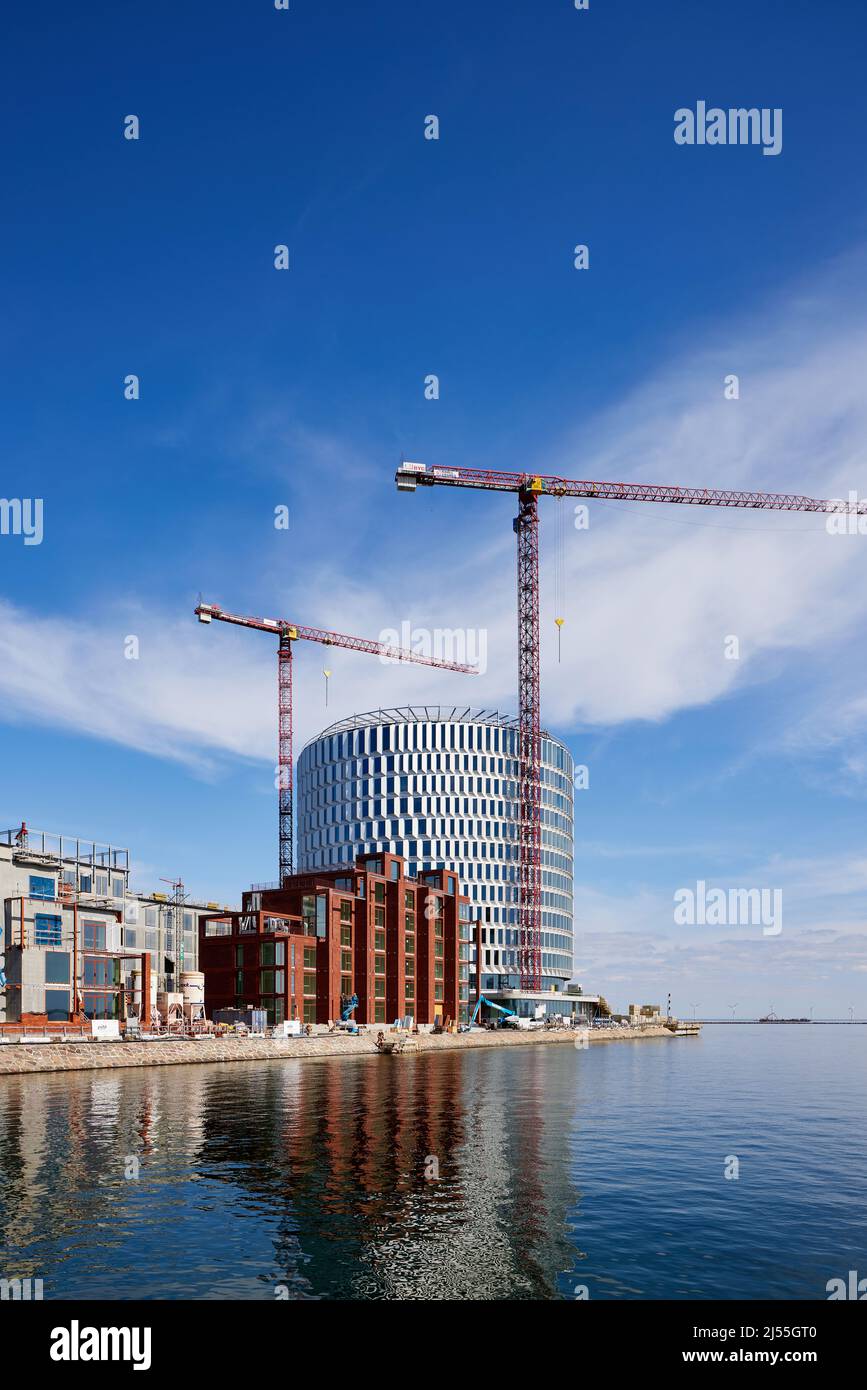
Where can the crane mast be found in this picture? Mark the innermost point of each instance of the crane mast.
(529, 487)
(287, 633)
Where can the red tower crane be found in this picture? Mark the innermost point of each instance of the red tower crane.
(287, 633)
(529, 486)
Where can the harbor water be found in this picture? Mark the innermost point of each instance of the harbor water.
(729, 1166)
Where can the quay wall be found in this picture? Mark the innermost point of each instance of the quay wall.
(20, 1058)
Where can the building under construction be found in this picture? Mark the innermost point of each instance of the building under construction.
(77, 940)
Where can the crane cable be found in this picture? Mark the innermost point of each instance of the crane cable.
(560, 571)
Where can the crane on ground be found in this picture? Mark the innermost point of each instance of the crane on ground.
(529, 487)
(287, 633)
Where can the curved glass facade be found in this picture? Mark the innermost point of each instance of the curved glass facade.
(439, 787)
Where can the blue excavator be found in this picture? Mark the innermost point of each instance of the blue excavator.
(501, 1008)
(348, 1005)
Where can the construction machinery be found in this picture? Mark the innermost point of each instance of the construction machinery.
(529, 487)
(287, 633)
(489, 1003)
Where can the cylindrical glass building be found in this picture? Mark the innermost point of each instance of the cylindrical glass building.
(438, 785)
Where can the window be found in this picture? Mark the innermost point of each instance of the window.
(100, 1005)
(309, 984)
(102, 885)
(150, 917)
(379, 964)
(346, 984)
(379, 892)
(266, 954)
(57, 1005)
(279, 981)
(346, 912)
(379, 989)
(130, 936)
(150, 940)
(47, 931)
(438, 993)
(93, 936)
(57, 967)
(346, 961)
(117, 888)
(309, 1011)
(379, 941)
(409, 898)
(239, 983)
(309, 957)
(188, 921)
(346, 936)
(266, 981)
(41, 887)
(395, 870)
(379, 1013)
(85, 883)
(409, 945)
(438, 969)
(99, 972)
(409, 968)
(410, 921)
(438, 948)
(279, 952)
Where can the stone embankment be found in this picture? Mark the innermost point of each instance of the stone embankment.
(18, 1058)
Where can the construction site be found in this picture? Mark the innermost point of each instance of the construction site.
(431, 912)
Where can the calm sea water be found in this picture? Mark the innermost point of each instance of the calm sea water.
(515, 1173)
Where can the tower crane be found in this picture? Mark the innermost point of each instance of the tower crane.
(529, 487)
(287, 633)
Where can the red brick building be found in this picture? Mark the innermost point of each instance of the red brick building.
(398, 943)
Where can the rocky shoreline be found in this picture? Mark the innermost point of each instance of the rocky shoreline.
(22, 1058)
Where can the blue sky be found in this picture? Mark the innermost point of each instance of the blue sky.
(304, 388)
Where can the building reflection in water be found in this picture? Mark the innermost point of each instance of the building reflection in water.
(438, 1176)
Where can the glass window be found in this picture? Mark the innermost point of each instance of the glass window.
(266, 981)
(379, 1013)
(279, 952)
(93, 936)
(309, 984)
(100, 1005)
(379, 988)
(346, 961)
(379, 941)
(379, 892)
(41, 887)
(346, 936)
(117, 888)
(85, 883)
(395, 870)
(266, 954)
(309, 957)
(47, 931)
(438, 993)
(102, 884)
(309, 1010)
(57, 1005)
(409, 945)
(346, 912)
(130, 936)
(57, 967)
(409, 967)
